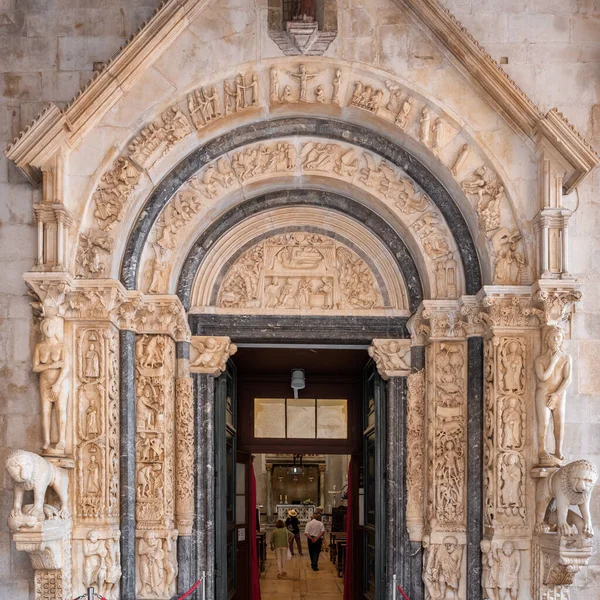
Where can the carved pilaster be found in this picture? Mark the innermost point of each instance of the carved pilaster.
(415, 451)
(184, 429)
(156, 565)
(50, 552)
(209, 354)
(392, 357)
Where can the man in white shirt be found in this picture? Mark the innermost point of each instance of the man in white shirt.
(314, 531)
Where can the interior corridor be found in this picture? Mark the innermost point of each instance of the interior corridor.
(301, 582)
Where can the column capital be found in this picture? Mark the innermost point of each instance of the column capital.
(209, 354)
(556, 300)
(392, 357)
(437, 320)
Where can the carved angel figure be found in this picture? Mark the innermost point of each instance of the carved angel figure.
(210, 354)
(390, 356)
(49, 360)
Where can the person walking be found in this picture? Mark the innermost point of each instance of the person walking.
(280, 540)
(293, 525)
(314, 531)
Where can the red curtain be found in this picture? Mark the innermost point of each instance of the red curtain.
(254, 572)
(348, 570)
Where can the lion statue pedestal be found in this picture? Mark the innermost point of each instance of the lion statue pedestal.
(42, 530)
(562, 543)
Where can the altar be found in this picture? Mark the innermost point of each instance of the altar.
(304, 511)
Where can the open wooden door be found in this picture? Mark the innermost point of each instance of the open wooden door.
(226, 481)
(374, 518)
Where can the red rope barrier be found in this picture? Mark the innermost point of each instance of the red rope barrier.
(403, 594)
(192, 589)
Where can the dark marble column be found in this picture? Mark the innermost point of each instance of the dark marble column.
(474, 467)
(127, 462)
(186, 548)
(398, 560)
(204, 393)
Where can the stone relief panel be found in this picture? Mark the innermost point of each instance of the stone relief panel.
(300, 271)
(156, 564)
(97, 424)
(207, 104)
(157, 138)
(443, 568)
(289, 83)
(184, 468)
(446, 422)
(155, 400)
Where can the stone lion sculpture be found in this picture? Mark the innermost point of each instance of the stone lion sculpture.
(31, 472)
(567, 486)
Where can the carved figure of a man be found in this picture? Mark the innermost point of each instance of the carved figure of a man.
(151, 564)
(511, 421)
(553, 373)
(94, 561)
(509, 564)
(448, 567)
(488, 571)
(49, 361)
(170, 549)
(113, 563)
(513, 367)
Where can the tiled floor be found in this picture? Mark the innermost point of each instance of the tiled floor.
(301, 582)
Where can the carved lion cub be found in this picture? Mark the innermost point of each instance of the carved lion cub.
(569, 485)
(32, 472)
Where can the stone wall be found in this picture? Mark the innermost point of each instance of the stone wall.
(49, 47)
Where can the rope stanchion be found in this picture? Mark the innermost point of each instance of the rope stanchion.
(403, 594)
(192, 589)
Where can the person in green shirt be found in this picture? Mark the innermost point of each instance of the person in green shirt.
(280, 540)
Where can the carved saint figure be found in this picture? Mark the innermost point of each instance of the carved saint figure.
(151, 564)
(424, 126)
(49, 361)
(404, 113)
(94, 561)
(92, 362)
(274, 96)
(93, 477)
(438, 134)
(511, 480)
(511, 423)
(335, 96)
(553, 373)
(512, 367)
(460, 159)
(91, 420)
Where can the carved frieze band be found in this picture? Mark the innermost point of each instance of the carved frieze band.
(415, 455)
(184, 471)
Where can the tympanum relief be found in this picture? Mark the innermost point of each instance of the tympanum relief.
(300, 271)
(302, 84)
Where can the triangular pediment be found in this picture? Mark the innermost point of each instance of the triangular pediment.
(56, 129)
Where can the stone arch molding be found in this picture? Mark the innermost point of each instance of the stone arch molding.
(420, 124)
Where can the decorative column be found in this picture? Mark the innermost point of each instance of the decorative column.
(322, 469)
(393, 359)
(443, 327)
(184, 469)
(208, 359)
(155, 466)
(269, 468)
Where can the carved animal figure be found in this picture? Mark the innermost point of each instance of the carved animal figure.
(569, 485)
(32, 472)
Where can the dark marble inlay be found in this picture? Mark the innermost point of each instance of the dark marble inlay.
(305, 126)
(301, 329)
(127, 461)
(474, 467)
